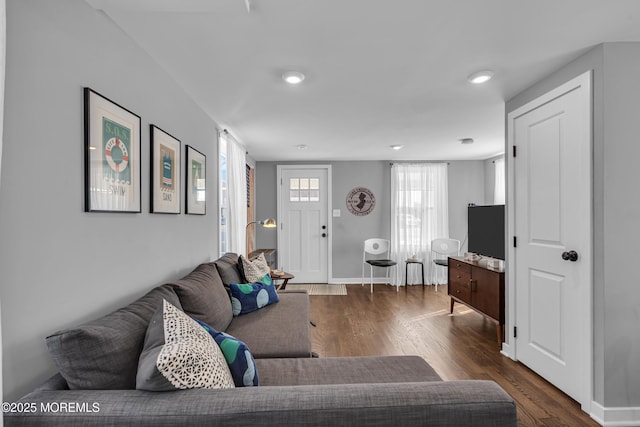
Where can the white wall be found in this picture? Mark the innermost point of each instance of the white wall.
(60, 266)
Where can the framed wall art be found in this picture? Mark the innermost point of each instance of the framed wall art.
(196, 194)
(165, 172)
(112, 156)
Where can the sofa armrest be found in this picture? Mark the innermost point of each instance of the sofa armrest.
(452, 403)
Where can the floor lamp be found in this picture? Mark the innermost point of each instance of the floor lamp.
(266, 223)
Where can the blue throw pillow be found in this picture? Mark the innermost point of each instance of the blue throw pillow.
(241, 363)
(249, 297)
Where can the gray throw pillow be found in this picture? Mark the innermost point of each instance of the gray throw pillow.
(203, 296)
(103, 354)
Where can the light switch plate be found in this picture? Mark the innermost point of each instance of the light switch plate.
(336, 213)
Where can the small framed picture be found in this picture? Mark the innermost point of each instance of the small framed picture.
(165, 172)
(112, 156)
(196, 182)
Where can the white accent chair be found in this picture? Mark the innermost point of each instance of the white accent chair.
(441, 249)
(377, 247)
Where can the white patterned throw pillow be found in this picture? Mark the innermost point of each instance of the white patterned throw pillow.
(179, 354)
(255, 269)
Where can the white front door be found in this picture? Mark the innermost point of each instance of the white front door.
(303, 232)
(552, 225)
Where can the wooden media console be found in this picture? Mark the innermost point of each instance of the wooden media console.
(478, 286)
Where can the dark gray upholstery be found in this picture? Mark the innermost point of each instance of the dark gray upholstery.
(229, 269)
(103, 353)
(277, 330)
(439, 403)
(203, 296)
(101, 358)
(344, 370)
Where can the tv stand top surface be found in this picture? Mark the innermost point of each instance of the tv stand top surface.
(482, 262)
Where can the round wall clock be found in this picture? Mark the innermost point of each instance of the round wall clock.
(361, 201)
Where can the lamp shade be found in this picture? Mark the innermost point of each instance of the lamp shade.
(269, 223)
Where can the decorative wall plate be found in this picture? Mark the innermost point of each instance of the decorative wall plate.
(361, 201)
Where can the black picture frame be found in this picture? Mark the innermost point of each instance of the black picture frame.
(166, 175)
(112, 156)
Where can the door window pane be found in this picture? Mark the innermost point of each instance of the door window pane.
(294, 190)
(314, 190)
(304, 190)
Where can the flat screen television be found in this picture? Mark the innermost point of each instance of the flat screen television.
(486, 230)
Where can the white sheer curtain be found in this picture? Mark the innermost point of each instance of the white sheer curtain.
(419, 212)
(499, 186)
(237, 185)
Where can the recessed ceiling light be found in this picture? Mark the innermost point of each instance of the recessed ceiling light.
(302, 147)
(480, 77)
(396, 147)
(293, 77)
(466, 140)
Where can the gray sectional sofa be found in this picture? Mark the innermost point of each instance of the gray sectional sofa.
(97, 364)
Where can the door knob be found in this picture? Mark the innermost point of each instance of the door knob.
(570, 256)
(324, 227)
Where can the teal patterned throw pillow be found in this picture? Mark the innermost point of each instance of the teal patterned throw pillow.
(239, 358)
(249, 297)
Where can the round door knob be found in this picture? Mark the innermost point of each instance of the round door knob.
(570, 256)
(324, 234)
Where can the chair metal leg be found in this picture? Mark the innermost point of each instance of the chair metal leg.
(371, 270)
(395, 275)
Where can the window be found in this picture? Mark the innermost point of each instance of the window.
(419, 209)
(223, 197)
(233, 194)
(304, 190)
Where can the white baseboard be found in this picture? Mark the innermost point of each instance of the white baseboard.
(507, 351)
(615, 416)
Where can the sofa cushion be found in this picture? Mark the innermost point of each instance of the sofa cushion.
(345, 370)
(238, 356)
(229, 269)
(179, 354)
(203, 296)
(103, 353)
(255, 269)
(287, 333)
(249, 297)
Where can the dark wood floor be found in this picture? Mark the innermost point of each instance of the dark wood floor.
(458, 346)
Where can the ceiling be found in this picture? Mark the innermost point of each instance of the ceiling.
(378, 72)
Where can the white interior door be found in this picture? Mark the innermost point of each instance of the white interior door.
(553, 204)
(303, 233)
